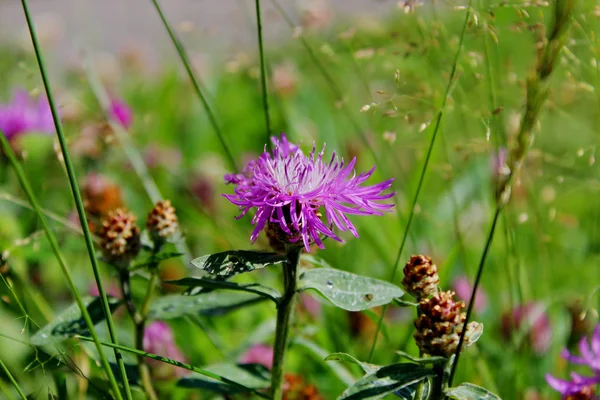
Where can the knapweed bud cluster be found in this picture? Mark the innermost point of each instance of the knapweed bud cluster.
(440, 325)
(421, 277)
(162, 222)
(120, 237)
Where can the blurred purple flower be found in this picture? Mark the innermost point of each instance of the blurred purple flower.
(121, 112)
(111, 290)
(25, 115)
(463, 288)
(289, 189)
(258, 354)
(499, 167)
(309, 304)
(533, 319)
(579, 384)
(158, 339)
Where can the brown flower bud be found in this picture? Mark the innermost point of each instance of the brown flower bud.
(162, 221)
(440, 325)
(120, 237)
(421, 278)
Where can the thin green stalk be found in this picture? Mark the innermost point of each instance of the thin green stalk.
(78, 202)
(263, 72)
(424, 170)
(12, 380)
(178, 364)
(284, 315)
(188, 67)
(55, 248)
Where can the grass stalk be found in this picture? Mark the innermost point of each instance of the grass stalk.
(80, 210)
(56, 250)
(192, 76)
(12, 380)
(549, 49)
(263, 72)
(436, 129)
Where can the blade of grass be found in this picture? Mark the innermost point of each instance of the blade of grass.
(12, 380)
(180, 365)
(263, 72)
(80, 210)
(424, 170)
(56, 250)
(188, 67)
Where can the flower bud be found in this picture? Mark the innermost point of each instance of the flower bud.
(162, 221)
(440, 325)
(420, 277)
(120, 237)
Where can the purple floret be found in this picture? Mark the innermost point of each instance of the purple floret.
(25, 115)
(290, 189)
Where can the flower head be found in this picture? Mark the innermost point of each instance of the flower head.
(533, 318)
(463, 289)
(290, 190)
(25, 115)
(580, 385)
(158, 339)
(421, 278)
(121, 112)
(120, 237)
(162, 221)
(258, 354)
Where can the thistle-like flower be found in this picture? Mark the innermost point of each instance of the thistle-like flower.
(121, 112)
(421, 278)
(162, 221)
(440, 325)
(120, 237)
(290, 190)
(25, 115)
(580, 386)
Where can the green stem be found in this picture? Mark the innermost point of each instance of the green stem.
(423, 171)
(78, 202)
(263, 71)
(56, 249)
(188, 67)
(284, 312)
(12, 380)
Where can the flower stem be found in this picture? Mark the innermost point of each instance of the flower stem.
(12, 380)
(263, 71)
(80, 211)
(284, 312)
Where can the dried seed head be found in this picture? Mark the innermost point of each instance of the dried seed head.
(420, 277)
(120, 237)
(162, 221)
(440, 325)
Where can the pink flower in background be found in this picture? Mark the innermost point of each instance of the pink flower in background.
(258, 354)
(25, 115)
(309, 304)
(121, 112)
(499, 159)
(463, 288)
(158, 339)
(532, 319)
(111, 290)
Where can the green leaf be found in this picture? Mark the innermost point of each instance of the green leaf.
(385, 380)
(155, 259)
(261, 290)
(70, 322)
(366, 367)
(252, 376)
(405, 303)
(233, 262)
(348, 291)
(212, 303)
(423, 360)
(341, 372)
(469, 391)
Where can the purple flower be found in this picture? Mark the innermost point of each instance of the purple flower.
(258, 354)
(158, 339)
(121, 112)
(289, 190)
(25, 115)
(463, 289)
(590, 356)
(533, 319)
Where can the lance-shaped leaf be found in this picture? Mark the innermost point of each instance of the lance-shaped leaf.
(366, 367)
(233, 262)
(385, 380)
(70, 322)
(193, 283)
(469, 391)
(348, 291)
(212, 303)
(252, 376)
